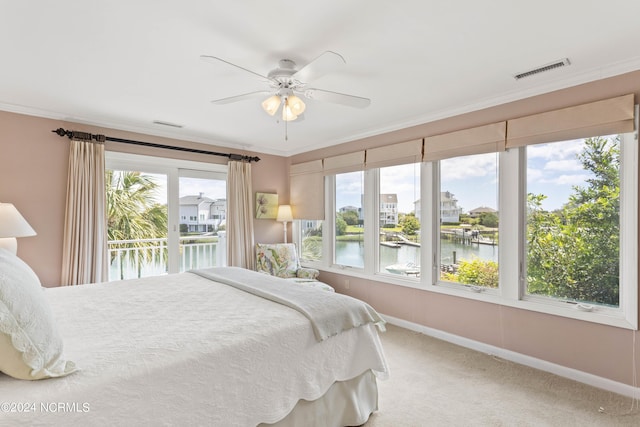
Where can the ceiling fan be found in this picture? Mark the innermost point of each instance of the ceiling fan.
(287, 85)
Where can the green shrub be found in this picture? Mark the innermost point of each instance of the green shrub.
(478, 272)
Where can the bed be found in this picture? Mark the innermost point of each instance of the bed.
(198, 348)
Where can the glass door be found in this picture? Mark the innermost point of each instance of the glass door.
(164, 215)
(202, 219)
(137, 223)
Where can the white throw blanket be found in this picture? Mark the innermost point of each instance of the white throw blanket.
(329, 313)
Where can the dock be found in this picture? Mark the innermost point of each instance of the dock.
(398, 240)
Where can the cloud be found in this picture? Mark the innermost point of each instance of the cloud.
(460, 168)
(349, 183)
(555, 150)
(212, 188)
(568, 179)
(534, 174)
(564, 165)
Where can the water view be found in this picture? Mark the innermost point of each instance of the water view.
(352, 253)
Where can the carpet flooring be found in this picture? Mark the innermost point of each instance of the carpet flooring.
(436, 383)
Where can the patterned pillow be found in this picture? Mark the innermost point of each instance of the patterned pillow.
(278, 259)
(308, 273)
(30, 345)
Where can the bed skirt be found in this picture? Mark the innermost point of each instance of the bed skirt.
(346, 403)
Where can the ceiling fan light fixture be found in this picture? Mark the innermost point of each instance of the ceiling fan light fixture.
(296, 105)
(271, 104)
(287, 114)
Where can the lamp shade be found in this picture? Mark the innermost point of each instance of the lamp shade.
(12, 224)
(271, 104)
(287, 113)
(284, 213)
(296, 105)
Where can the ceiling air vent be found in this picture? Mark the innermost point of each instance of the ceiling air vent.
(173, 125)
(561, 63)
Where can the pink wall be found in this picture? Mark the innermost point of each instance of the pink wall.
(33, 176)
(597, 349)
(600, 350)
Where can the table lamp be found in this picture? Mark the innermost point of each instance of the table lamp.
(12, 225)
(284, 216)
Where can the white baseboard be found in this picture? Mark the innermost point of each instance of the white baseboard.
(563, 371)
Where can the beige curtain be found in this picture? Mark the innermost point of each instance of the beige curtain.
(84, 256)
(240, 243)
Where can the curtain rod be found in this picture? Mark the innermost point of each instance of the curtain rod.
(85, 135)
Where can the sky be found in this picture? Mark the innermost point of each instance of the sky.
(552, 169)
(213, 189)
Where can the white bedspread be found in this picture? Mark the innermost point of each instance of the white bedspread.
(329, 313)
(183, 350)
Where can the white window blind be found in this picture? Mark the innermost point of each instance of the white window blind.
(478, 140)
(306, 196)
(606, 117)
(395, 154)
(344, 163)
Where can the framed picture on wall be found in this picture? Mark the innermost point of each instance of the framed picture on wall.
(266, 205)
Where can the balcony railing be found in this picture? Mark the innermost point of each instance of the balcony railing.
(149, 257)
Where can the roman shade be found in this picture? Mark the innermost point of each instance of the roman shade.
(344, 163)
(395, 154)
(606, 117)
(306, 190)
(478, 140)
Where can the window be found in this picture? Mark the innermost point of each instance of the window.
(200, 241)
(311, 240)
(468, 220)
(503, 217)
(137, 223)
(147, 208)
(349, 219)
(573, 221)
(399, 220)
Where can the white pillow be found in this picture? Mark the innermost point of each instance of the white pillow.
(30, 345)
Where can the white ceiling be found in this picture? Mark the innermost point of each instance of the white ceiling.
(125, 63)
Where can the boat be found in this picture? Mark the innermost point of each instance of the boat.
(481, 240)
(390, 244)
(407, 268)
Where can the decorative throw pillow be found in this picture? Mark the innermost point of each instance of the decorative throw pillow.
(277, 259)
(30, 345)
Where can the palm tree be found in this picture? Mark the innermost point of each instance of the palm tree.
(133, 213)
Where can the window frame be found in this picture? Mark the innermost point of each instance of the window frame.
(434, 227)
(512, 212)
(332, 210)
(173, 169)
(375, 233)
(626, 310)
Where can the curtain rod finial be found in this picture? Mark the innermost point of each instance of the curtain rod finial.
(62, 132)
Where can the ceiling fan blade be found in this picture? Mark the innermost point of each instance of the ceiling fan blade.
(337, 98)
(325, 63)
(216, 60)
(236, 98)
